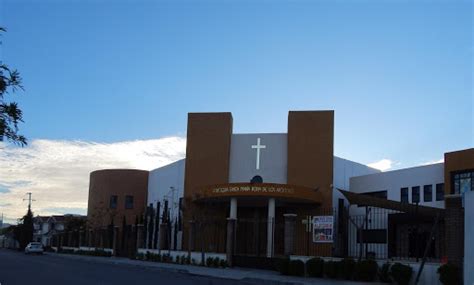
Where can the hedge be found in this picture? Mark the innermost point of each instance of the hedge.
(345, 268)
(365, 270)
(449, 274)
(401, 274)
(296, 268)
(315, 267)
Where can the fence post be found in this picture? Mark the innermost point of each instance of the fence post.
(139, 235)
(163, 236)
(230, 240)
(80, 238)
(114, 240)
(191, 237)
(290, 224)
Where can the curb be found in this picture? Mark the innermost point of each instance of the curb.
(164, 268)
(152, 265)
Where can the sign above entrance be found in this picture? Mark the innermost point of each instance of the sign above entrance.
(269, 190)
(254, 189)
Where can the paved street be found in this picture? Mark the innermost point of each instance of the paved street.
(17, 268)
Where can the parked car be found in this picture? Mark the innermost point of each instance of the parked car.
(34, 247)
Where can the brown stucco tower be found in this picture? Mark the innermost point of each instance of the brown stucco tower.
(115, 194)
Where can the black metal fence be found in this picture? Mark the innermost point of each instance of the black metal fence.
(357, 232)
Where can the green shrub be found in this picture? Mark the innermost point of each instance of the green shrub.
(166, 258)
(365, 270)
(345, 268)
(315, 267)
(209, 261)
(449, 274)
(216, 262)
(384, 273)
(283, 266)
(330, 269)
(153, 257)
(223, 263)
(401, 273)
(296, 268)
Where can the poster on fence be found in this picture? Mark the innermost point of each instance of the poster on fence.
(323, 229)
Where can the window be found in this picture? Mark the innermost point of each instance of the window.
(440, 192)
(256, 179)
(404, 195)
(428, 193)
(463, 182)
(113, 202)
(128, 202)
(415, 194)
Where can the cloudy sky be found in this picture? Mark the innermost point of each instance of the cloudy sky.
(109, 83)
(57, 172)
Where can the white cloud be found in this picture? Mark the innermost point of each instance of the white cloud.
(57, 172)
(383, 165)
(441, 160)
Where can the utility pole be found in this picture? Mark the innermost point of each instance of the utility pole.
(29, 200)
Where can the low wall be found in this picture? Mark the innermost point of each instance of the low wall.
(85, 248)
(196, 255)
(429, 274)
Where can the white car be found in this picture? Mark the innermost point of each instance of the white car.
(34, 247)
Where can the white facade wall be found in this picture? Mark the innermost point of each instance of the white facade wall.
(272, 158)
(167, 183)
(393, 181)
(344, 170)
(162, 180)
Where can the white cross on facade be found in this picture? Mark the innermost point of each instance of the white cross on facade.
(258, 146)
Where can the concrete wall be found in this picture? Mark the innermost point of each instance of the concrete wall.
(344, 170)
(468, 238)
(273, 158)
(167, 183)
(393, 181)
(196, 255)
(161, 180)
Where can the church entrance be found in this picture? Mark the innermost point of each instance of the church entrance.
(251, 231)
(251, 242)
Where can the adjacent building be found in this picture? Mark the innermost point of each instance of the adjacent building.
(45, 227)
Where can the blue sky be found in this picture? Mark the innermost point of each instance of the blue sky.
(397, 73)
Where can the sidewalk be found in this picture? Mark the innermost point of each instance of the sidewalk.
(241, 274)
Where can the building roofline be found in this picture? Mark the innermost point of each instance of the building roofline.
(402, 169)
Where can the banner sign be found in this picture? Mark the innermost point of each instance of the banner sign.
(323, 229)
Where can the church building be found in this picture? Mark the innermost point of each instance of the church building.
(255, 179)
(265, 195)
